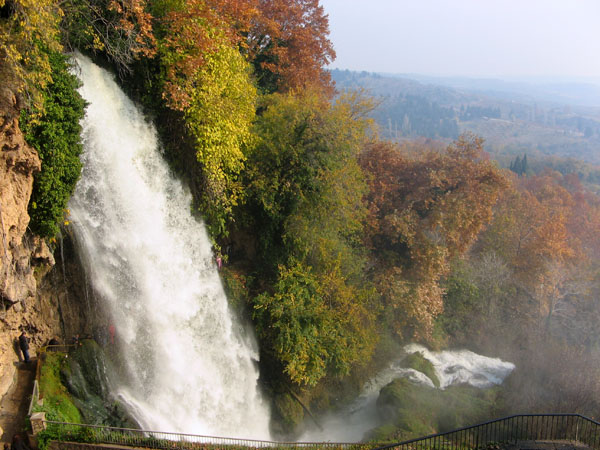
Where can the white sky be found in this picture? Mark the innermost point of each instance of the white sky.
(484, 38)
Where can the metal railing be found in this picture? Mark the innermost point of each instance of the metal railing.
(35, 397)
(71, 432)
(521, 427)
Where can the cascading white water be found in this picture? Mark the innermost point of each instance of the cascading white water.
(464, 366)
(191, 366)
(451, 366)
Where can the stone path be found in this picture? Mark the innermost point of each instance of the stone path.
(15, 404)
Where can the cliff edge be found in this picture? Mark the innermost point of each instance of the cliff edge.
(34, 296)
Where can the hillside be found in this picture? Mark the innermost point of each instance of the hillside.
(510, 121)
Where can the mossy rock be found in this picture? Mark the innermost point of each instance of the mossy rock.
(289, 411)
(414, 410)
(418, 362)
(93, 365)
(58, 403)
(75, 388)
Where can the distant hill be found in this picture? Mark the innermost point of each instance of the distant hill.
(513, 117)
(562, 91)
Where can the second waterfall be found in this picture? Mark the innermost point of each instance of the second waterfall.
(190, 366)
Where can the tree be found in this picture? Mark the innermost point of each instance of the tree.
(424, 211)
(288, 45)
(208, 81)
(28, 31)
(311, 337)
(219, 116)
(303, 141)
(121, 30)
(305, 201)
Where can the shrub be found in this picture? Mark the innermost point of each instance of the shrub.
(56, 137)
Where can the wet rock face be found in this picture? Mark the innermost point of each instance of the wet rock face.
(87, 380)
(18, 164)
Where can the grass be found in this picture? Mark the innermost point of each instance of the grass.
(58, 404)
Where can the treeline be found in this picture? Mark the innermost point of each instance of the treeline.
(338, 245)
(413, 116)
(479, 112)
(528, 290)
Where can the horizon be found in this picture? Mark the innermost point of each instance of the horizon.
(514, 79)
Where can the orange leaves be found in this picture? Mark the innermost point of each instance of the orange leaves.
(136, 24)
(285, 40)
(425, 209)
(288, 44)
(532, 226)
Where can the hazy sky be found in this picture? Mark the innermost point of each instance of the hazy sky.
(491, 38)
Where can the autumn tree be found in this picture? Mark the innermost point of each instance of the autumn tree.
(305, 199)
(121, 30)
(28, 32)
(424, 211)
(306, 333)
(206, 79)
(288, 44)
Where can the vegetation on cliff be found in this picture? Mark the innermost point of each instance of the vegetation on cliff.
(55, 134)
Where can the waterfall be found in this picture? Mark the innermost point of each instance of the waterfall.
(191, 367)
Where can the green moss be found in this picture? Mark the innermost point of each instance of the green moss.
(289, 411)
(412, 410)
(58, 404)
(418, 362)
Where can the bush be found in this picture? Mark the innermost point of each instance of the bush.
(56, 137)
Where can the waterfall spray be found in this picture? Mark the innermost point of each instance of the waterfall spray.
(191, 366)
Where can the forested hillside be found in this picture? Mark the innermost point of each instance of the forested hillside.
(337, 245)
(525, 120)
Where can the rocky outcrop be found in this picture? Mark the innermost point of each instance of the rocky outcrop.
(18, 163)
(35, 295)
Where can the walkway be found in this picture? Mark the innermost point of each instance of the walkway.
(15, 404)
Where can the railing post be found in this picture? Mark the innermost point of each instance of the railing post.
(38, 422)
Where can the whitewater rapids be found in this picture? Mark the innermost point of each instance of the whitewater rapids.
(451, 367)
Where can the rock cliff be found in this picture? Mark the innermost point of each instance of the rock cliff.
(35, 295)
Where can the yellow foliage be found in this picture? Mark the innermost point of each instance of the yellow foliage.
(32, 27)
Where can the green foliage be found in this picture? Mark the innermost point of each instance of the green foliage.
(289, 410)
(302, 175)
(418, 362)
(461, 301)
(307, 331)
(58, 404)
(55, 135)
(306, 200)
(298, 325)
